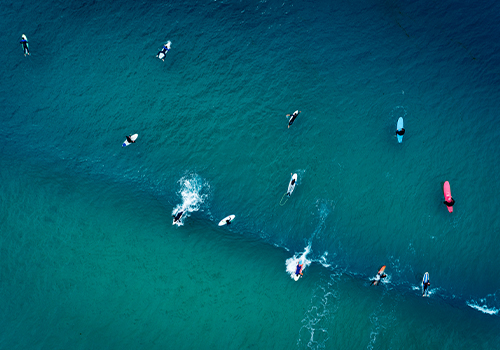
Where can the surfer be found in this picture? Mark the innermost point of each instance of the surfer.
(178, 216)
(425, 285)
(298, 270)
(228, 221)
(450, 203)
(129, 139)
(24, 42)
(163, 51)
(400, 132)
(378, 278)
(292, 117)
(292, 184)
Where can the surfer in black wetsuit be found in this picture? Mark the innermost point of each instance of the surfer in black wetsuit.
(24, 42)
(378, 278)
(163, 52)
(400, 132)
(449, 204)
(228, 221)
(178, 216)
(291, 184)
(293, 116)
(129, 139)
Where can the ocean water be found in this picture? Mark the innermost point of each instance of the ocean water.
(89, 258)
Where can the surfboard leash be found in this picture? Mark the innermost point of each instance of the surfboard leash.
(281, 200)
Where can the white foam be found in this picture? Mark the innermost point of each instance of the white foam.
(483, 308)
(291, 263)
(192, 195)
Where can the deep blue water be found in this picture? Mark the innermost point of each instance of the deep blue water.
(89, 257)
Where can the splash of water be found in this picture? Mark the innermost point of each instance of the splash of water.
(193, 192)
(291, 263)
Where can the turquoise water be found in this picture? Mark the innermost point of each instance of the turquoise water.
(89, 257)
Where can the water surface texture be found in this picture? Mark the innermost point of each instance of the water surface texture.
(89, 258)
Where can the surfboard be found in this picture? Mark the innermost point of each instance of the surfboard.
(27, 45)
(133, 137)
(447, 195)
(295, 276)
(174, 222)
(161, 55)
(425, 280)
(291, 186)
(223, 221)
(292, 118)
(380, 272)
(400, 126)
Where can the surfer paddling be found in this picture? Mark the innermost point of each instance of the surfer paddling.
(292, 117)
(24, 42)
(177, 217)
(425, 285)
(291, 187)
(129, 139)
(450, 203)
(400, 132)
(163, 52)
(380, 275)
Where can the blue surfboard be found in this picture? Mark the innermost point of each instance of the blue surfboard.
(400, 126)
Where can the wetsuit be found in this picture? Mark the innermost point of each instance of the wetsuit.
(299, 270)
(401, 132)
(449, 204)
(292, 119)
(129, 139)
(25, 46)
(178, 216)
(163, 51)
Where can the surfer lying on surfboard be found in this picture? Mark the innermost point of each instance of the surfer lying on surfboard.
(450, 203)
(400, 132)
(129, 139)
(177, 217)
(166, 48)
(24, 42)
(425, 285)
(292, 117)
(380, 275)
(291, 187)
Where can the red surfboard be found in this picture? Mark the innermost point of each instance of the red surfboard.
(447, 195)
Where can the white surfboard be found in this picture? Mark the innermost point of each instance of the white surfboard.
(400, 126)
(161, 55)
(133, 138)
(291, 186)
(224, 221)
